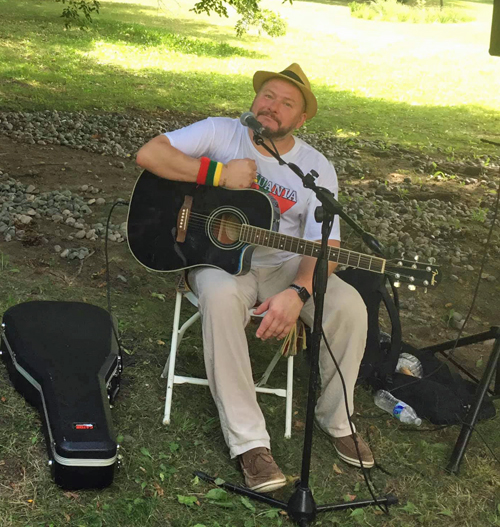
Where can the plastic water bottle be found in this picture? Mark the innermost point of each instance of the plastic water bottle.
(409, 365)
(400, 410)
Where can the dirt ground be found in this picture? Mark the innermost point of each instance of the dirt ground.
(424, 315)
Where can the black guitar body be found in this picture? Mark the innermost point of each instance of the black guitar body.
(63, 357)
(211, 239)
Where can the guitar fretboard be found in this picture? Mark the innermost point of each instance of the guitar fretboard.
(284, 242)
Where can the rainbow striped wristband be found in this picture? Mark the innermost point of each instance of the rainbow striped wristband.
(209, 173)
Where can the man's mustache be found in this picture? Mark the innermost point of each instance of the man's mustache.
(271, 116)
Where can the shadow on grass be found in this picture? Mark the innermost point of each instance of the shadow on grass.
(132, 24)
(111, 88)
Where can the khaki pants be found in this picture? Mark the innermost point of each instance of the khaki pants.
(224, 301)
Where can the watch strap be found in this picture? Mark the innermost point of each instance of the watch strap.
(303, 293)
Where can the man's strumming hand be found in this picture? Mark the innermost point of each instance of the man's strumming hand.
(283, 310)
(238, 173)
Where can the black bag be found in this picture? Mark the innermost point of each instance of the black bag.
(380, 358)
(64, 358)
(440, 396)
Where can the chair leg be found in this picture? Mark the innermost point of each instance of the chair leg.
(180, 336)
(171, 359)
(289, 398)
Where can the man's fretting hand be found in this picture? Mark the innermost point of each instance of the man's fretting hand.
(283, 310)
(238, 173)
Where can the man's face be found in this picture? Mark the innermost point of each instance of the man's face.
(279, 107)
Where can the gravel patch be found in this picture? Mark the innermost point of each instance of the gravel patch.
(429, 227)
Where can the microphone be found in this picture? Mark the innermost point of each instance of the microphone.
(248, 119)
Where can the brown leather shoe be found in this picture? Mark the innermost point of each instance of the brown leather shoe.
(261, 472)
(346, 449)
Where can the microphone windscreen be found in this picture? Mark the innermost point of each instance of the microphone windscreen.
(245, 116)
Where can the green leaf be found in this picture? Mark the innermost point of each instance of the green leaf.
(216, 494)
(173, 447)
(446, 512)
(357, 512)
(219, 481)
(162, 476)
(160, 296)
(271, 513)
(196, 480)
(187, 500)
(356, 487)
(247, 503)
(145, 452)
(119, 439)
(479, 362)
(410, 508)
(143, 485)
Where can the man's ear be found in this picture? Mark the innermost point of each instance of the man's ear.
(301, 121)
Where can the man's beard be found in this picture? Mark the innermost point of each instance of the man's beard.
(280, 133)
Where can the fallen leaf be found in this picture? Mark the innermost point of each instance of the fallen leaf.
(299, 425)
(67, 516)
(337, 469)
(3, 399)
(73, 495)
(159, 490)
(160, 342)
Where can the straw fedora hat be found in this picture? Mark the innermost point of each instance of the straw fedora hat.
(295, 75)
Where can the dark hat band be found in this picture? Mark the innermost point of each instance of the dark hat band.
(292, 75)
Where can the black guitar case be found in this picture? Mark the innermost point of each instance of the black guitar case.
(64, 358)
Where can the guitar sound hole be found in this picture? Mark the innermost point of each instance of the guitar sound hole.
(225, 229)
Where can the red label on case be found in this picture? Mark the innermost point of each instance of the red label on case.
(83, 426)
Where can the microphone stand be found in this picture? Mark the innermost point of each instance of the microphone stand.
(301, 506)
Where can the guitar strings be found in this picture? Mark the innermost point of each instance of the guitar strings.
(343, 256)
(198, 222)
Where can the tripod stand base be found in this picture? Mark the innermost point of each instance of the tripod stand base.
(301, 506)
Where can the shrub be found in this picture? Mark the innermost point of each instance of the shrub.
(394, 11)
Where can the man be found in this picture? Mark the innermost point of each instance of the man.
(280, 280)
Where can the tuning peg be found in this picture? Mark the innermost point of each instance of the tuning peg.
(412, 279)
(397, 276)
(416, 258)
(425, 283)
(411, 287)
(414, 266)
(428, 269)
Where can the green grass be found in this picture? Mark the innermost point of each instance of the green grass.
(158, 462)
(394, 11)
(428, 86)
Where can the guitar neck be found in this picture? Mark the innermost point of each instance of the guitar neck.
(276, 240)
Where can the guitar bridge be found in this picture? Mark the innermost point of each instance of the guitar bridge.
(183, 219)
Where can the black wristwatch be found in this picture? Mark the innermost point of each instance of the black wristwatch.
(301, 291)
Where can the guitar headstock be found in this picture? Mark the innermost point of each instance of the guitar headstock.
(413, 272)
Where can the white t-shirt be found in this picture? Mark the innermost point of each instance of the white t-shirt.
(223, 139)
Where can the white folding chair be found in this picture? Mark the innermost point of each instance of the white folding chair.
(172, 378)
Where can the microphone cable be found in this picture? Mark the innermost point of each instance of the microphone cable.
(383, 507)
